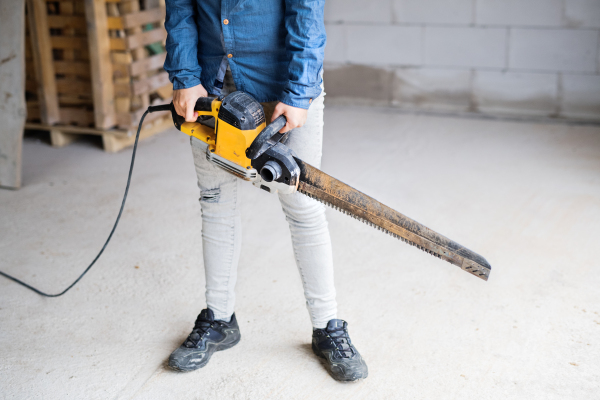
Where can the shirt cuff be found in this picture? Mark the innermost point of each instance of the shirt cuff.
(299, 96)
(184, 80)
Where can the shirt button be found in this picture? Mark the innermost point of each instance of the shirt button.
(229, 55)
(226, 21)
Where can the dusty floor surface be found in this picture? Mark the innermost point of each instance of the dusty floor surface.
(525, 196)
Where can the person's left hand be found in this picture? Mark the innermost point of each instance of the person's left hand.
(296, 117)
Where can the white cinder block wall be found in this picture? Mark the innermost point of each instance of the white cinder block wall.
(519, 57)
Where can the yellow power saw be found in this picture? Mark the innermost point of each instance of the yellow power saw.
(242, 144)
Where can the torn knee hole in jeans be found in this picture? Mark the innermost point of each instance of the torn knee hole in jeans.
(210, 195)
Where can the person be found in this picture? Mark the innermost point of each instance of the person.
(272, 50)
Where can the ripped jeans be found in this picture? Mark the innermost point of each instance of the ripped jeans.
(222, 236)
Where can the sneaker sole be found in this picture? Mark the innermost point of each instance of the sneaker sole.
(212, 348)
(337, 377)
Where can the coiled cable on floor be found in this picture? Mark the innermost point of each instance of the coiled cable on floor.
(150, 109)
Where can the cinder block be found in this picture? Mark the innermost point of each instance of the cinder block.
(434, 11)
(358, 11)
(384, 45)
(581, 96)
(582, 13)
(432, 89)
(553, 49)
(516, 93)
(335, 49)
(519, 12)
(465, 47)
(359, 84)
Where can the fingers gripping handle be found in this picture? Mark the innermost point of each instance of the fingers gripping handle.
(203, 106)
(256, 148)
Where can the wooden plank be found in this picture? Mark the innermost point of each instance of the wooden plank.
(75, 100)
(68, 54)
(138, 40)
(137, 102)
(129, 120)
(120, 71)
(76, 116)
(31, 86)
(67, 21)
(143, 17)
(68, 42)
(79, 68)
(144, 38)
(80, 130)
(72, 86)
(122, 104)
(99, 44)
(119, 57)
(118, 44)
(115, 23)
(28, 51)
(136, 19)
(147, 64)
(137, 115)
(42, 58)
(29, 69)
(150, 84)
(59, 138)
(114, 143)
(33, 111)
(122, 89)
(79, 8)
(165, 92)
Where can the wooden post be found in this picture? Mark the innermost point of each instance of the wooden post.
(43, 61)
(102, 80)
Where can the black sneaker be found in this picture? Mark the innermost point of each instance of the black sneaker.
(334, 345)
(207, 337)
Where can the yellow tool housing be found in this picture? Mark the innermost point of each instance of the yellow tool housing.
(226, 140)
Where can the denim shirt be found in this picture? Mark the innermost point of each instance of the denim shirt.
(274, 48)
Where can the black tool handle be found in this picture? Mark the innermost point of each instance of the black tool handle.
(202, 104)
(160, 107)
(268, 133)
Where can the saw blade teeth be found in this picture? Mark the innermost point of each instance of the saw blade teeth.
(395, 235)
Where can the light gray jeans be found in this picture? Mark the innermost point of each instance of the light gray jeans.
(221, 226)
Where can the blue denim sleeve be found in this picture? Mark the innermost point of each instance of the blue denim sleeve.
(305, 45)
(182, 44)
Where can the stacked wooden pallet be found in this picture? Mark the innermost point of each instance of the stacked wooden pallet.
(94, 66)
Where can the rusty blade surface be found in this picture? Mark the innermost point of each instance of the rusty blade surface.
(328, 190)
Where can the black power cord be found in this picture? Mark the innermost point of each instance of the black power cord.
(165, 107)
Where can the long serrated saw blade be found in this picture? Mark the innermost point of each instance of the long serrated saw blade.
(318, 185)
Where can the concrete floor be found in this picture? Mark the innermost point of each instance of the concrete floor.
(526, 196)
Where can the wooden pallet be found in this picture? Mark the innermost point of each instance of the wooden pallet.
(133, 40)
(113, 140)
(60, 72)
(94, 66)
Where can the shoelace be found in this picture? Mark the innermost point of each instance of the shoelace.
(340, 338)
(201, 327)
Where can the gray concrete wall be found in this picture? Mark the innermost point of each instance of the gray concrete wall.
(516, 57)
(12, 96)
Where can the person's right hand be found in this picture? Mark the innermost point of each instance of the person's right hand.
(184, 101)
